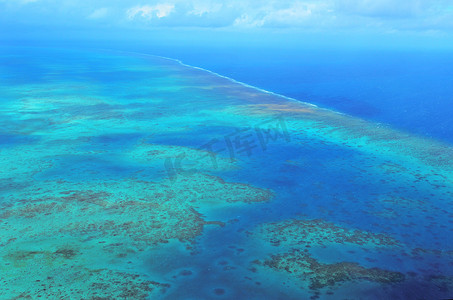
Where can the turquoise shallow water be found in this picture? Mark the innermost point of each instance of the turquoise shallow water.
(132, 176)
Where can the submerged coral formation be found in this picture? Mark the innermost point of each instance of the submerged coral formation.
(189, 158)
(319, 232)
(59, 280)
(320, 275)
(293, 253)
(58, 235)
(207, 188)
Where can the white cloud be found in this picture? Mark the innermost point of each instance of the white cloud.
(203, 8)
(150, 11)
(99, 13)
(248, 21)
(383, 8)
(295, 14)
(383, 15)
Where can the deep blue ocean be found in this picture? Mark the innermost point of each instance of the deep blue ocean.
(411, 90)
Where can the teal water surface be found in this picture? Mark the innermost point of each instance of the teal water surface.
(126, 176)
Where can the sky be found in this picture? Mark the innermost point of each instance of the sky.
(424, 18)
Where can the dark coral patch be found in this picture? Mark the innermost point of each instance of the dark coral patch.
(321, 275)
(219, 292)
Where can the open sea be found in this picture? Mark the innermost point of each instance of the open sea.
(132, 176)
(409, 89)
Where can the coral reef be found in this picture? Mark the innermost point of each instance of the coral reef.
(319, 232)
(63, 238)
(58, 280)
(190, 158)
(293, 253)
(320, 275)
